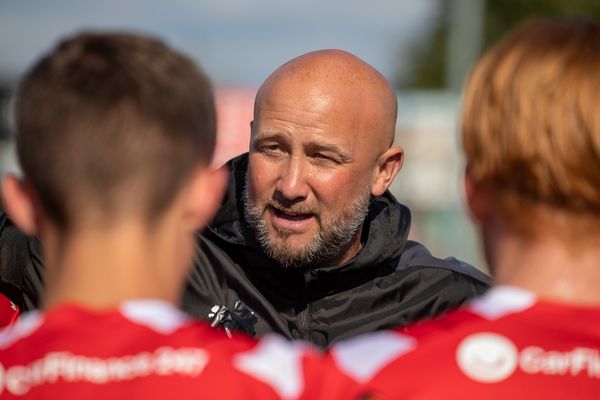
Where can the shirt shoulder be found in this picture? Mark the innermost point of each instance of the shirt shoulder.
(146, 347)
(498, 346)
(378, 349)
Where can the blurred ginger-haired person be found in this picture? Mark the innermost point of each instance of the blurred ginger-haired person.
(531, 139)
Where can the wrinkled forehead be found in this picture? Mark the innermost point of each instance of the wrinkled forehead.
(314, 113)
(318, 96)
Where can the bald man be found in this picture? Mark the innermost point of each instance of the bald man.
(309, 242)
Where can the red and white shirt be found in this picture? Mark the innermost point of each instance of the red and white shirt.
(144, 349)
(507, 344)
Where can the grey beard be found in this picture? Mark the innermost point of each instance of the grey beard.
(328, 243)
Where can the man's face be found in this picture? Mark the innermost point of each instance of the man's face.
(309, 177)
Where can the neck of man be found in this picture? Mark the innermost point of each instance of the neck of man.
(548, 267)
(101, 268)
(350, 250)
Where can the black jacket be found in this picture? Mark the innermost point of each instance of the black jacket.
(391, 282)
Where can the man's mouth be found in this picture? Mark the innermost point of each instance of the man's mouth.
(291, 216)
(291, 221)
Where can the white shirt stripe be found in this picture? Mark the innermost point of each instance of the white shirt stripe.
(276, 362)
(363, 356)
(24, 326)
(500, 301)
(157, 315)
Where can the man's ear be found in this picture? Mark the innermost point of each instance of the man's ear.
(388, 165)
(19, 202)
(252, 126)
(204, 195)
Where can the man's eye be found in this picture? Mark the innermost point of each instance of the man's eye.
(270, 148)
(323, 157)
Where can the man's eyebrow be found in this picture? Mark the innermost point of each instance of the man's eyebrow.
(269, 136)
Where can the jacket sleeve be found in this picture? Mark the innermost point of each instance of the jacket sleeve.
(21, 268)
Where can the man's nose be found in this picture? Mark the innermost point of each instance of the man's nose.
(292, 183)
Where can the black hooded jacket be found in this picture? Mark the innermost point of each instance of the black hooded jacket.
(392, 281)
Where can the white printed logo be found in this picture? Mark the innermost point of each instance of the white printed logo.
(487, 357)
(64, 366)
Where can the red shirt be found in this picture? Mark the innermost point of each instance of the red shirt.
(9, 313)
(506, 344)
(144, 349)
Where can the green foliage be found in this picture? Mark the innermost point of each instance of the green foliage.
(429, 56)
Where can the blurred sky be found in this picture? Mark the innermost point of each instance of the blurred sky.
(235, 41)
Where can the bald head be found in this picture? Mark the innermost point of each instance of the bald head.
(335, 80)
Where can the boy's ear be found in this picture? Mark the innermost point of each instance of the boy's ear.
(477, 200)
(19, 202)
(388, 166)
(204, 196)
